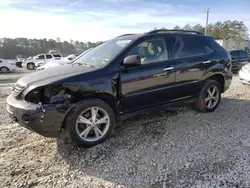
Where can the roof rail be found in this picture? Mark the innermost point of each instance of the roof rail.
(124, 35)
(173, 30)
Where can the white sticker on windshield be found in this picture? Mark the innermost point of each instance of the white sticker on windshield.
(123, 41)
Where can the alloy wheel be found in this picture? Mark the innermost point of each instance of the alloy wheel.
(30, 66)
(92, 124)
(4, 70)
(212, 96)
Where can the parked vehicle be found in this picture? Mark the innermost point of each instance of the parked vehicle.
(122, 78)
(39, 60)
(7, 66)
(239, 59)
(62, 61)
(244, 74)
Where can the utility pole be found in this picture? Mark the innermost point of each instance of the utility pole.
(207, 15)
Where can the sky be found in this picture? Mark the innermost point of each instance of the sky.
(99, 20)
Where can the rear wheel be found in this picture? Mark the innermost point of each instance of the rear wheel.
(209, 97)
(90, 123)
(31, 66)
(4, 70)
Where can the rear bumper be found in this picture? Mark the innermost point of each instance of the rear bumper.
(44, 120)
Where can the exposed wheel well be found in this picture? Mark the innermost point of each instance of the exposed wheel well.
(220, 79)
(107, 98)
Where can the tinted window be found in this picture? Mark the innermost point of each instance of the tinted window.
(184, 47)
(57, 55)
(48, 56)
(41, 57)
(234, 53)
(209, 50)
(0, 61)
(150, 51)
(243, 54)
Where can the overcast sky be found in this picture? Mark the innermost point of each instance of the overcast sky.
(93, 20)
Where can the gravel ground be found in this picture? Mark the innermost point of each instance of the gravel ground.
(178, 147)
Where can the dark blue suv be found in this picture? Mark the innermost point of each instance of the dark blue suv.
(121, 78)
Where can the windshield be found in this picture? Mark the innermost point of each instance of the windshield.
(104, 53)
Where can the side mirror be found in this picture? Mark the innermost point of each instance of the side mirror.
(131, 61)
(37, 58)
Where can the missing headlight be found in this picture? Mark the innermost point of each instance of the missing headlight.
(42, 94)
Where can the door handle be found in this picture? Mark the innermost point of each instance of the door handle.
(206, 62)
(168, 68)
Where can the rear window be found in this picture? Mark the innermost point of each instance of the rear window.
(211, 43)
(184, 47)
(234, 53)
(243, 54)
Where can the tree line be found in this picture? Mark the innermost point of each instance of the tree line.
(235, 30)
(10, 48)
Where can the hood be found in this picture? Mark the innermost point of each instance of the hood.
(53, 74)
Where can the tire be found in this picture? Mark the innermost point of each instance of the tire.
(77, 128)
(4, 70)
(201, 104)
(31, 66)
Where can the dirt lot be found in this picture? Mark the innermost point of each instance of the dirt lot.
(174, 148)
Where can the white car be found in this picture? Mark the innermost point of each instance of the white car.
(244, 74)
(53, 63)
(62, 61)
(7, 66)
(39, 60)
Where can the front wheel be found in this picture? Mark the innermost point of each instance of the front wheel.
(209, 97)
(31, 66)
(90, 123)
(4, 70)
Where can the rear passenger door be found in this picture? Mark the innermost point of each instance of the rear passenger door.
(191, 59)
(48, 57)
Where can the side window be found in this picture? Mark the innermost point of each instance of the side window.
(48, 56)
(0, 61)
(150, 51)
(184, 47)
(243, 54)
(57, 55)
(41, 57)
(234, 54)
(209, 50)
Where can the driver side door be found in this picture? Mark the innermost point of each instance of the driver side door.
(149, 84)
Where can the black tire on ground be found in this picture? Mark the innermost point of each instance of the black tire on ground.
(201, 104)
(4, 70)
(74, 114)
(31, 66)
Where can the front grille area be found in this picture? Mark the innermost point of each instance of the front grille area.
(17, 89)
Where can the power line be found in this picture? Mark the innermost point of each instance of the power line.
(207, 15)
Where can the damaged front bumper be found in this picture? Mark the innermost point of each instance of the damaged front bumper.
(44, 119)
